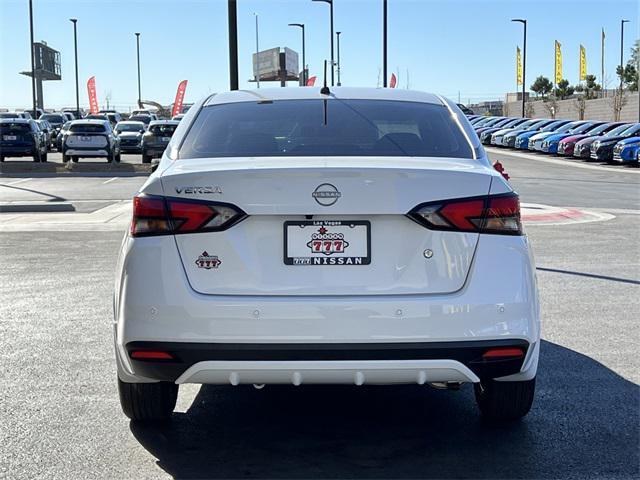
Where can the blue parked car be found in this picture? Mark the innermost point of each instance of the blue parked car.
(550, 143)
(522, 140)
(627, 150)
(535, 125)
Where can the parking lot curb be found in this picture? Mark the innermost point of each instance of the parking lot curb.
(50, 168)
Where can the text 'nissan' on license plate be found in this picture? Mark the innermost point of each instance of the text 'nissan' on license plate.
(327, 242)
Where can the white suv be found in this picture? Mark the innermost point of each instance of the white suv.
(90, 138)
(293, 237)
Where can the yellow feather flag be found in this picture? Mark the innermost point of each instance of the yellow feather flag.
(583, 63)
(558, 63)
(518, 67)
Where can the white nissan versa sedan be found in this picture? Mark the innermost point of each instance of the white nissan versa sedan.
(356, 237)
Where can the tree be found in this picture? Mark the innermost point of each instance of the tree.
(564, 89)
(629, 74)
(541, 86)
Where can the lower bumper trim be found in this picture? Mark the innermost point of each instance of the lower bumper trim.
(216, 357)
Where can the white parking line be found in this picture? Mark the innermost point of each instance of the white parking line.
(17, 181)
(110, 180)
(561, 162)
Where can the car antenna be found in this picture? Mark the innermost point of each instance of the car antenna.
(325, 90)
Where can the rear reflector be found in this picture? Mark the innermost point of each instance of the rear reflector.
(151, 355)
(155, 215)
(499, 214)
(496, 353)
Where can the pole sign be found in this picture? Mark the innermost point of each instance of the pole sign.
(177, 104)
(93, 97)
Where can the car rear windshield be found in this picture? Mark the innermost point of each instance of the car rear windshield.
(332, 127)
(14, 128)
(53, 118)
(140, 118)
(129, 128)
(87, 128)
(162, 130)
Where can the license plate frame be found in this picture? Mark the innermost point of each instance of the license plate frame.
(333, 258)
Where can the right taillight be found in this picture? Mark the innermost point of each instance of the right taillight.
(156, 215)
(496, 214)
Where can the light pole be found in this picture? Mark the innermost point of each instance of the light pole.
(384, 43)
(232, 18)
(33, 60)
(338, 42)
(304, 61)
(75, 48)
(257, 74)
(138, 50)
(330, 2)
(524, 60)
(622, 22)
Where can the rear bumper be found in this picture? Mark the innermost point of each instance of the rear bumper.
(80, 152)
(17, 150)
(155, 307)
(226, 363)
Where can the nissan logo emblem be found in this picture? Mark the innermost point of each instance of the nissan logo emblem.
(326, 194)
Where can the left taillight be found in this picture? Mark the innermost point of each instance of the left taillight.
(496, 214)
(156, 215)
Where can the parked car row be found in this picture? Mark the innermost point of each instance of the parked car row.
(102, 135)
(589, 140)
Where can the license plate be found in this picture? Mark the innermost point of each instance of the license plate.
(10, 138)
(327, 242)
(85, 139)
(166, 139)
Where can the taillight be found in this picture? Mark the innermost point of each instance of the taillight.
(155, 215)
(498, 214)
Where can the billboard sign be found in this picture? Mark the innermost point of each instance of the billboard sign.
(291, 62)
(267, 64)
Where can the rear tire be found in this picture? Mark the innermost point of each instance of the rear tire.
(148, 402)
(75, 159)
(505, 401)
(146, 158)
(36, 157)
(118, 157)
(1, 158)
(65, 158)
(43, 158)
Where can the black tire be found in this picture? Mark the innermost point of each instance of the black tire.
(148, 402)
(1, 158)
(75, 159)
(65, 158)
(118, 158)
(43, 158)
(146, 158)
(36, 157)
(505, 401)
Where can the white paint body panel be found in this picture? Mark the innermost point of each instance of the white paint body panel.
(474, 288)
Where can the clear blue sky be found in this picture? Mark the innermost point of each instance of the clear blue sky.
(447, 46)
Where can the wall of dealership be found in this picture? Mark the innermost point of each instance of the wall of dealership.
(596, 109)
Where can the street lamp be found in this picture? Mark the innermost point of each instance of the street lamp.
(138, 48)
(304, 62)
(257, 74)
(330, 2)
(622, 22)
(338, 41)
(33, 60)
(524, 59)
(384, 43)
(75, 47)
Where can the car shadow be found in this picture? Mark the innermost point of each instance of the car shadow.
(584, 424)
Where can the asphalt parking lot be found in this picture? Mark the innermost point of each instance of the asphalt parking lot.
(60, 411)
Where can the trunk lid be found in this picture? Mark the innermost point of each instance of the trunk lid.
(369, 199)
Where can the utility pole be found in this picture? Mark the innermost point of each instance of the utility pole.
(233, 44)
(75, 47)
(622, 22)
(33, 60)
